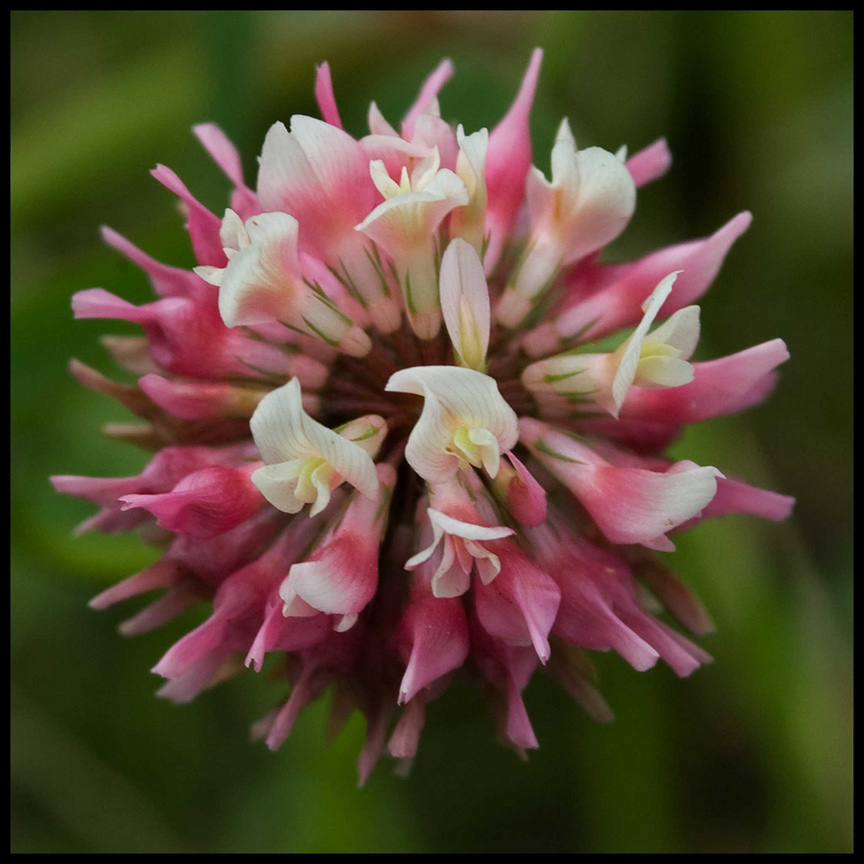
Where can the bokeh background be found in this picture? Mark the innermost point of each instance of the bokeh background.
(754, 753)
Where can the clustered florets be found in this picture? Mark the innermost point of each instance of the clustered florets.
(380, 500)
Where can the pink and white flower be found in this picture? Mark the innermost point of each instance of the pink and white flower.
(489, 494)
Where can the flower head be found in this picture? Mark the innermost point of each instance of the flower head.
(486, 496)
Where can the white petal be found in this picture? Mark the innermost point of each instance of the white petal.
(450, 580)
(603, 204)
(336, 158)
(471, 162)
(213, 275)
(679, 331)
(563, 157)
(465, 302)
(279, 425)
(232, 233)
(283, 431)
(262, 282)
(277, 484)
(441, 522)
(411, 219)
(377, 124)
(454, 397)
(384, 183)
(425, 170)
(630, 356)
(663, 371)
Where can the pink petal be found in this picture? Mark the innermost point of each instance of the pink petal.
(429, 91)
(161, 574)
(220, 148)
(167, 281)
(526, 498)
(433, 636)
(199, 401)
(403, 742)
(167, 607)
(324, 95)
(520, 604)
(718, 387)
(204, 504)
(608, 297)
(203, 226)
(508, 160)
(651, 163)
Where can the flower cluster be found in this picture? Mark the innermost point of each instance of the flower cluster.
(394, 432)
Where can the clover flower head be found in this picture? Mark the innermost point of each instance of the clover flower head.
(387, 445)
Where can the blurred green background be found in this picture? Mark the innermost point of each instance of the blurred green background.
(754, 753)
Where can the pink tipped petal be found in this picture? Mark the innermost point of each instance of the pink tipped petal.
(520, 605)
(341, 575)
(403, 742)
(428, 92)
(733, 496)
(161, 574)
(167, 281)
(220, 148)
(318, 174)
(465, 303)
(166, 608)
(718, 387)
(433, 637)
(630, 505)
(324, 95)
(203, 226)
(508, 160)
(204, 504)
(650, 164)
(262, 281)
(526, 498)
(617, 291)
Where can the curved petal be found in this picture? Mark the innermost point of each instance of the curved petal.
(262, 282)
(283, 431)
(324, 95)
(465, 303)
(630, 357)
(454, 398)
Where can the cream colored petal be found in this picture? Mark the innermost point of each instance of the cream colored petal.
(660, 371)
(454, 398)
(679, 331)
(232, 233)
(262, 281)
(632, 349)
(384, 183)
(282, 431)
(441, 522)
(465, 303)
(601, 200)
(405, 221)
(471, 162)
(377, 124)
(278, 483)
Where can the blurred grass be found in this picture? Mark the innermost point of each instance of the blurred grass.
(753, 753)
